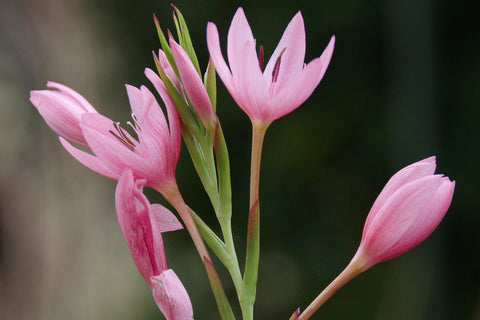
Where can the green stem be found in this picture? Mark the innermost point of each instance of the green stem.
(173, 195)
(353, 269)
(249, 289)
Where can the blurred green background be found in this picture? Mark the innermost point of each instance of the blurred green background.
(403, 84)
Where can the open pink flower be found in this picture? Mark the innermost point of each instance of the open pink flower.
(153, 156)
(409, 208)
(62, 110)
(142, 224)
(286, 82)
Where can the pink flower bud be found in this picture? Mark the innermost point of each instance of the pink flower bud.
(62, 110)
(406, 212)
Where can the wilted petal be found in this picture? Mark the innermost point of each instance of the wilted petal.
(133, 216)
(171, 296)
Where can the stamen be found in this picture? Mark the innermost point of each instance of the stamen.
(260, 57)
(135, 121)
(276, 67)
(122, 137)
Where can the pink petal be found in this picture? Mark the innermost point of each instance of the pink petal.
(252, 95)
(171, 296)
(407, 218)
(221, 67)
(426, 223)
(174, 121)
(292, 60)
(164, 218)
(89, 161)
(192, 83)
(114, 154)
(408, 174)
(75, 95)
(132, 211)
(161, 220)
(239, 34)
(301, 87)
(61, 112)
(167, 68)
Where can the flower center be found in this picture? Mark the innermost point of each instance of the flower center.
(121, 135)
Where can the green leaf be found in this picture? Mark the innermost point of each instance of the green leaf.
(210, 82)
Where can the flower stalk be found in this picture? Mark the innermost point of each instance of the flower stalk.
(247, 298)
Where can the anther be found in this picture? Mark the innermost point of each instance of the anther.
(260, 57)
(122, 137)
(276, 67)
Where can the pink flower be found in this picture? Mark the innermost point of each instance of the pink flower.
(142, 224)
(153, 156)
(286, 82)
(62, 110)
(406, 212)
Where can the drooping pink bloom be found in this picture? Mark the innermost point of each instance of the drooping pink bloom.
(142, 224)
(62, 110)
(286, 82)
(409, 208)
(153, 156)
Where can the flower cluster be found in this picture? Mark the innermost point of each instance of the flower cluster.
(145, 152)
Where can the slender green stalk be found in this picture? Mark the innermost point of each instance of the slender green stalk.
(247, 298)
(351, 271)
(173, 195)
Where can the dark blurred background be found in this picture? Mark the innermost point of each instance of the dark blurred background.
(403, 84)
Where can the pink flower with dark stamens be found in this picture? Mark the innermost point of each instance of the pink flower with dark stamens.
(409, 208)
(153, 155)
(142, 224)
(62, 110)
(286, 82)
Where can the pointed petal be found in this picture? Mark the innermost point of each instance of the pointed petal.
(299, 88)
(221, 67)
(292, 59)
(239, 34)
(164, 218)
(417, 170)
(192, 83)
(88, 160)
(171, 296)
